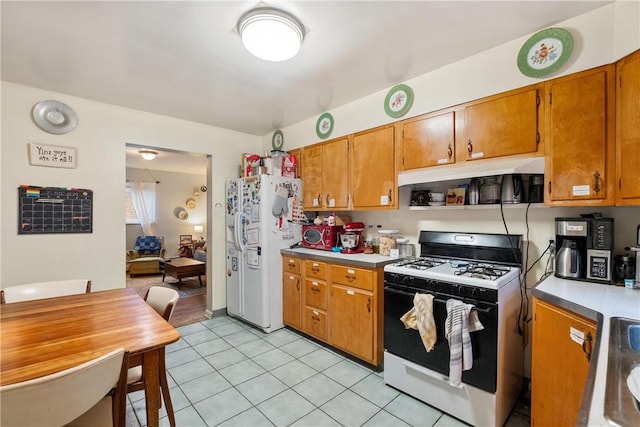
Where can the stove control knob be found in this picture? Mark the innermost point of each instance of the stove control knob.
(405, 280)
(475, 292)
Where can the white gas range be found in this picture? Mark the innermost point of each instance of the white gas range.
(478, 269)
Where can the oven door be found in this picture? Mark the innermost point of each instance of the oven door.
(407, 344)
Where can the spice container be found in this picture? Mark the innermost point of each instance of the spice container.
(387, 241)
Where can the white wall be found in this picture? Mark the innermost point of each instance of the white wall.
(172, 192)
(100, 138)
(600, 37)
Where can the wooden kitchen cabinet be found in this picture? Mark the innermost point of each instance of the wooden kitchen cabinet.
(373, 169)
(291, 292)
(580, 155)
(427, 140)
(502, 125)
(628, 130)
(324, 173)
(559, 365)
(339, 304)
(352, 307)
(314, 299)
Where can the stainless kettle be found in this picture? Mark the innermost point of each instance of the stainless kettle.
(511, 188)
(474, 191)
(568, 262)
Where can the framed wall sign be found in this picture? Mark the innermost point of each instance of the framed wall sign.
(186, 239)
(53, 156)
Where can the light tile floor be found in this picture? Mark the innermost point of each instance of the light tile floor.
(225, 372)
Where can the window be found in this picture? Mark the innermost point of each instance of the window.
(140, 204)
(130, 211)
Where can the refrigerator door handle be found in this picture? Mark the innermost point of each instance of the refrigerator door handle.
(238, 231)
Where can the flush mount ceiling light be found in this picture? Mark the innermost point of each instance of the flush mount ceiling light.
(270, 34)
(148, 154)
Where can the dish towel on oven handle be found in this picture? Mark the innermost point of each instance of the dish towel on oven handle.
(461, 319)
(420, 317)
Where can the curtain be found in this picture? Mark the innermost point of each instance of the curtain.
(144, 202)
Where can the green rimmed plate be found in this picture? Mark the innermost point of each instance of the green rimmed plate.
(545, 52)
(324, 125)
(277, 140)
(398, 101)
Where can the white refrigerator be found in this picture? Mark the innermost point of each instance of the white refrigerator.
(263, 215)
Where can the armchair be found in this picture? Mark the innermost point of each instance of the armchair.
(145, 257)
(147, 246)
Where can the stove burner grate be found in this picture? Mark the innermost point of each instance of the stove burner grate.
(482, 271)
(421, 263)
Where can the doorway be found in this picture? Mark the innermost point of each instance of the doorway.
(181, 217)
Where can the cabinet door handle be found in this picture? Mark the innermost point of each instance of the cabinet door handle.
(469, 146)
(390, 196)
(314, 289)
(350, 278)
(327, 199)
(298, 284)
(584, 346)
(369, 304)
(449, 151)
(319, 198)
(596, 182)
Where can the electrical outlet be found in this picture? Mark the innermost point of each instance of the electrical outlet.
(551, 239)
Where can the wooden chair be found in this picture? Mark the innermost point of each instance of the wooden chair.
(163, 300)
(41, 290)
(92, 394)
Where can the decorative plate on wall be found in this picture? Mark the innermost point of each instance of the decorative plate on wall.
(398, 101)
(545, 52)
(324, 125)
(277, 140)
(54, 117)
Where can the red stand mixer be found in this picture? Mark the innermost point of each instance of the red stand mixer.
(351, 238)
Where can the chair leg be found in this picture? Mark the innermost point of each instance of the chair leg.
(164, 386)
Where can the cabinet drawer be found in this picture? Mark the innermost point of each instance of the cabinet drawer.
(314, 322)
(315, 294)
(290, 265)
(354, 277)
(315, 269)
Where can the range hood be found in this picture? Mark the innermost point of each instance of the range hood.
(472, 169)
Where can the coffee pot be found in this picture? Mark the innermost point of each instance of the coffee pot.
(511, 188)
(568, 262)
(490, 191)
(474, 191)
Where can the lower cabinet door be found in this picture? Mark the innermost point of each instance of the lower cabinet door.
(351, 321)
(291, 300)
(314, 322)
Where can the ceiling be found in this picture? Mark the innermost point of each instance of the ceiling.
(184, 59)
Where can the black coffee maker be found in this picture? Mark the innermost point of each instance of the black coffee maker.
(584, 248)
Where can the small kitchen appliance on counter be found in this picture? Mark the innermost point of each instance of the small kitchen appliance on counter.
(351, 238)
(584, 248)
(511, 188)
(323, 237)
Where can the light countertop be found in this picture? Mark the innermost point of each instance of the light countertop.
(357, 260)
(600, 303)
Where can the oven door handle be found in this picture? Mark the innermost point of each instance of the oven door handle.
(428, 373)
(435, 299)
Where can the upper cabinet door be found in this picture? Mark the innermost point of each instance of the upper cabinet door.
(580, 130)
(373, 171)
(335, 174)
(311, 174)
(428, 141)
(502, 126)
(628, 130)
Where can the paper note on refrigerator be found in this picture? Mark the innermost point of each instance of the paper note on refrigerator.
(252, 234)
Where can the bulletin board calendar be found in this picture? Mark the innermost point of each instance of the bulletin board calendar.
(49, 210)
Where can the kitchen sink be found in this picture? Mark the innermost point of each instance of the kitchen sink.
(621, 407)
